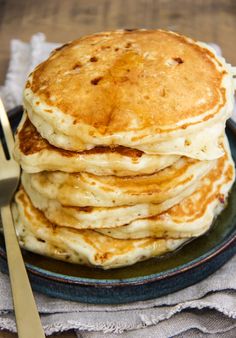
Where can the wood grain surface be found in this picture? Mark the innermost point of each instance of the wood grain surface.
(63, 20)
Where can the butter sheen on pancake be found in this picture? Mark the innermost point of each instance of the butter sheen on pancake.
(36, 154)
(83, 189)
(155, 91)
(87, 247)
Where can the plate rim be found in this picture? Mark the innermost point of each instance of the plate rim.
(214, 252)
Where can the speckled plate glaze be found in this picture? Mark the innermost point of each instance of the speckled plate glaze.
(146, 280)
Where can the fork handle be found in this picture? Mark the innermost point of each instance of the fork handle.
(26, 313)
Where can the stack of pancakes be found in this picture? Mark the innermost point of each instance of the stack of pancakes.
(123, 148)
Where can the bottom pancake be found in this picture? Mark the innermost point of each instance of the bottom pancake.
(86, 247)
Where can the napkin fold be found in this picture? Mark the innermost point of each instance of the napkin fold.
(206, 309)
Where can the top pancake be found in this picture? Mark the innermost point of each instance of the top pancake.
(138, 89)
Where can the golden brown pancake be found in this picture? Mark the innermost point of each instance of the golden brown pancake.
(151, 90)
(36, 154)
(206, 190)
(99, 217)
(191, 217)
(83, 189)
(87, 247)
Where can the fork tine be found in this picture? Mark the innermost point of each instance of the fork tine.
(6, 128)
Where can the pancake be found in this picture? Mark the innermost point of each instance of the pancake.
(194, 215)
(87, 247)
(36, 154)
(83, 189)
(98, 217)
(155, 91)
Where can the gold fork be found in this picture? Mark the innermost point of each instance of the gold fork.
(26, 313)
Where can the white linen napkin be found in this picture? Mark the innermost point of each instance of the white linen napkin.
(206, 309)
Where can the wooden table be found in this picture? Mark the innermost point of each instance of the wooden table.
(61, 20)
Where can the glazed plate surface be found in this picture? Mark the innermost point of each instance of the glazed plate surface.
(146, 280)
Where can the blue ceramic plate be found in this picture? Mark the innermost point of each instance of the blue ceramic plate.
(150, 279)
